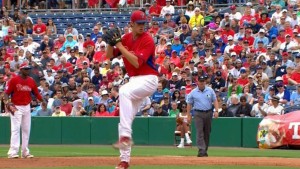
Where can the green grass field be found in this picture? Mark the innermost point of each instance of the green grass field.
(95, 150)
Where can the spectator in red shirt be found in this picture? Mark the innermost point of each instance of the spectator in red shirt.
(264, 18)
(101, 111)
(100, 55)
(40, 28)
(10, 36)
(60, 41)
(227, 32)
(243, 79)
(155, 9)
(174, 58)
(88, 42)
(154, 28)
(295, 77)
(246, 18)
(161, 2)
(248, 37)
(66, 106)
(64, 65)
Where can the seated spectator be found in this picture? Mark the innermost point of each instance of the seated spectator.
(283, 94)
(167, 9)
(165, 31)
(145, 106)
(287, 77)
(44, 111)
(66, 106)
(295, 76)
(158, 111)
(243, 79)
(58, 112)
(274, 109)
(295, 97)
(70, 42)
(260, 105)
(40, 28)
(246, 93)
(235, 87)
(244, 108)
(91, 107)
(258, 93)
(101, 111)
(233, 108)
(224, 111)
(110, 106)
(78, 109)
(184, 127)
(173, 112)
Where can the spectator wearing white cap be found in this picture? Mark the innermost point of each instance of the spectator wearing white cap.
(286, 16)
(249, 7)
(234, 13)
(167, 9)
(261, 37)
(230, 44)
(104, 97)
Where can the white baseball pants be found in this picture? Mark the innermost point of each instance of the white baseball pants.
(131, 96)
(21, 119)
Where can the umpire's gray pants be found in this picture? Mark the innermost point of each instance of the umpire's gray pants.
(203, 128)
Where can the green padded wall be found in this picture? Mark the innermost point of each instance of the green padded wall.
(46, 130)
(249, 130)
(161, 130)
(4, 130)
(104, 130)
(76, 130)
(226, 132)
(233, 132)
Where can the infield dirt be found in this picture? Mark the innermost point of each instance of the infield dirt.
(39, 162)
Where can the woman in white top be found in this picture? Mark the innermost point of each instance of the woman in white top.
(190, 9)
(184, 120)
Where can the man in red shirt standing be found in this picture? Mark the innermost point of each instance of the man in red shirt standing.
(20, 88)
(40, 28)
(138, 52)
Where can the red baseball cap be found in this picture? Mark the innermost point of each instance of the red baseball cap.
(25, 66)
(233, 7)
(285, 54)
(138, 17)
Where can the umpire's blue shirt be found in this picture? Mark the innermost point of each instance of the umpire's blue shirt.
(201, 100)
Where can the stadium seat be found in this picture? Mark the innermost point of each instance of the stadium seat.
(177, 137)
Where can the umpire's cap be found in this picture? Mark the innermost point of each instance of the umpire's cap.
(138, 17)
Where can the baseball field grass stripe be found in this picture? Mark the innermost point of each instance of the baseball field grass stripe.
(95, 150)
(176, 167)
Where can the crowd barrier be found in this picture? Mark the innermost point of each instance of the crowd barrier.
(226, 132)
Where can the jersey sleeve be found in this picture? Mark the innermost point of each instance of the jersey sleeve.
(146, 50)
(10, 86)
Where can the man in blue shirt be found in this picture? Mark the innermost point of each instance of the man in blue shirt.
(295, 97)
(201, 100)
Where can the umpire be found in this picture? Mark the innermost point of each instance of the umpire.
(201, 100)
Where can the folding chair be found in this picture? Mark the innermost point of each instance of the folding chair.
(177, 137)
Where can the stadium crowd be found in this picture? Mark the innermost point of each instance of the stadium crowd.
(250, 56)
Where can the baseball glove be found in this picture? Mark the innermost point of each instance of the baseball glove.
(112, 36)
(179, 120)
(11, 108)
